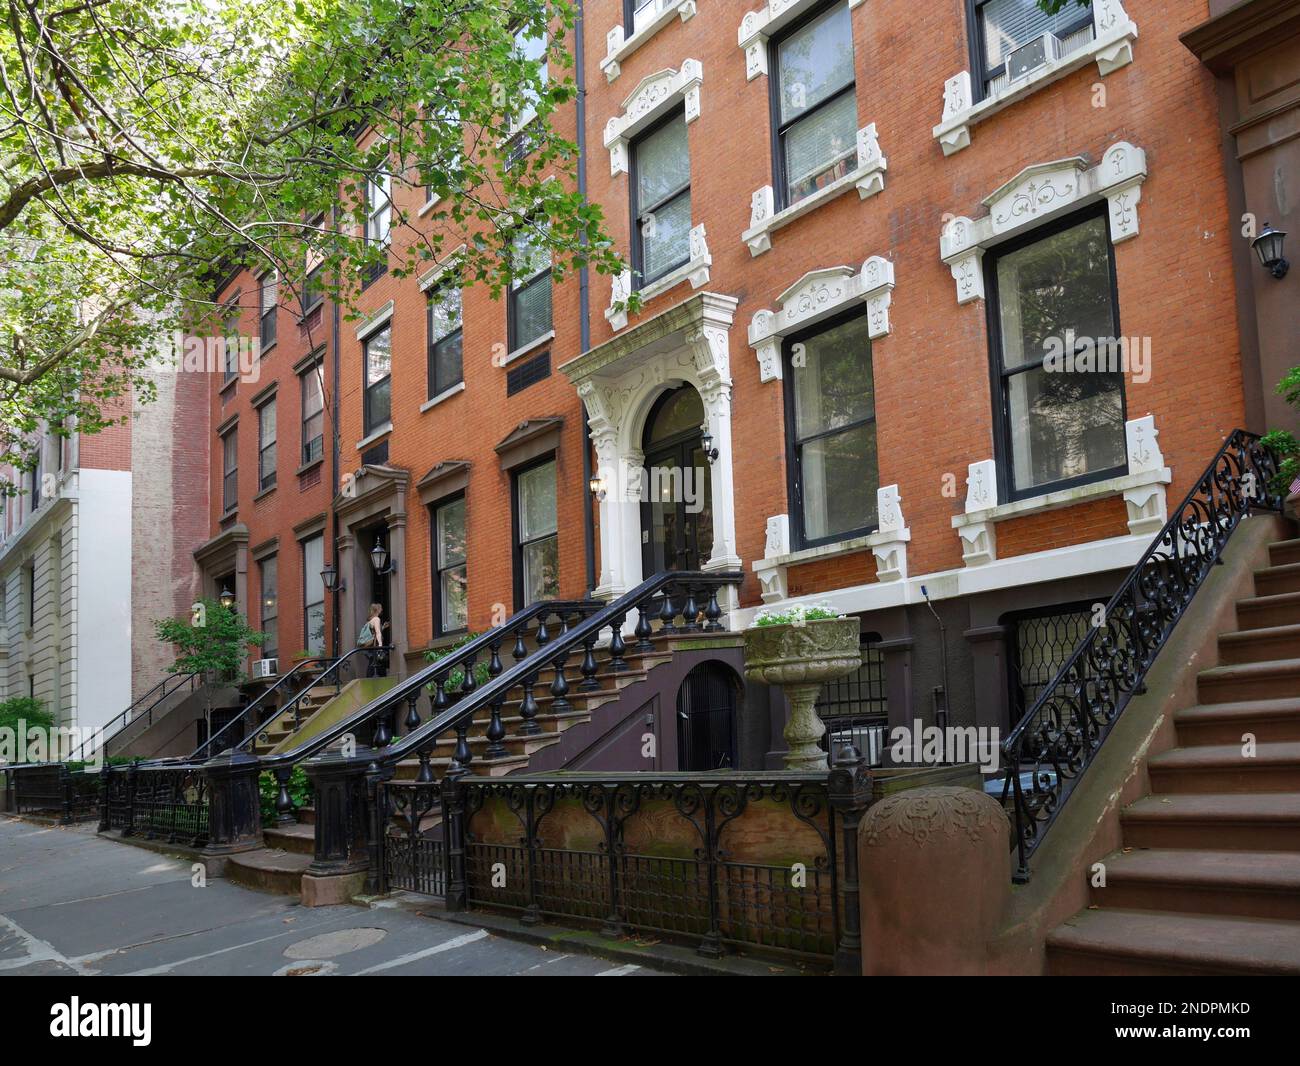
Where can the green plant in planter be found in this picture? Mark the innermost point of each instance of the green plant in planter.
(457, 676)
(300, 791)
(796, 614)
(1282, 443)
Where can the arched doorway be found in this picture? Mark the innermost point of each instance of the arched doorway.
(706, 718)
(677, 499)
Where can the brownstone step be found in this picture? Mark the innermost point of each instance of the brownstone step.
(1259, 645)
(1266, 821)
(1121, 943)
(1248, 884)
(1224, 768)
(1268, 721)
(1276, 580)
(1270, 680)
(269, 870)
(299, 838)
(408, 768)
(1282, 552)
(1256, 612)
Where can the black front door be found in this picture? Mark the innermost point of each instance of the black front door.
(676, 495)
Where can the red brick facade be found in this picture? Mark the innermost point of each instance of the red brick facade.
(934, 403)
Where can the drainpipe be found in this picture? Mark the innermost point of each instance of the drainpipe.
(334, 469)
(584, 303)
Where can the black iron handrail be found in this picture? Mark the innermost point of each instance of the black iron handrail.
(301, 669)
(421, 740)
(129, 719)
(1056, 740)
(435, 675)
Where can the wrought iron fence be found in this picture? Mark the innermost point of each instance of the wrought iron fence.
(52, 790)
(741, 860)
(1047, 752)
(160, 802)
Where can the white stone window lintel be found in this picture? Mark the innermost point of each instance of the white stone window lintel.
(818, 295)
(654, 97)
(619, 44)
(1038, 194)
(758, 27)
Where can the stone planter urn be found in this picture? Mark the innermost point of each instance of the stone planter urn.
(799, 658)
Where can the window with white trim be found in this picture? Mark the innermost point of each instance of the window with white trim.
(1060, 421)
(815, 103)
(377, 350)
(269, 306)
(313, 594)
(661, 190)
(268, 570)
(229, 469)
(445, 337)
(831, 405)
(537, 542)
(313, 413)
(1002, 26)
(529, 312)
(451, 606)
(266, 446)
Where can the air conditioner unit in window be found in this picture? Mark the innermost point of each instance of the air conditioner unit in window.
(1032, 55)
(266, 668)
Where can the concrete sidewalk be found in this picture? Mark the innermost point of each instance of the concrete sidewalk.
(73, 903)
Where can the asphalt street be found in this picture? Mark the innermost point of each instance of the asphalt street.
(74, 903)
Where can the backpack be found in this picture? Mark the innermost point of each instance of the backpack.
(366, 636)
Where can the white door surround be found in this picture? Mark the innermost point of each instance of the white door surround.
(619, 382)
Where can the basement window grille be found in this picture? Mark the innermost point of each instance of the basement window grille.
(1038, 644)
(856, 707)
(536, 369)
(376, 456)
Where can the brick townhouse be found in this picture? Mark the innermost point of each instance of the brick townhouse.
(857, 228)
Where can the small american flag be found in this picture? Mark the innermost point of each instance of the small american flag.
(1295, 487)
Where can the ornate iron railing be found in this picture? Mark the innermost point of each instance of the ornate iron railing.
(1051, 747)
(142, 708)
(286, 695)
(751, 861)
(524, 628)
(691, 596)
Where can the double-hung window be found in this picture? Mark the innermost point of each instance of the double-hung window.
(229, 316)
(269, 569)
(445, 369)
(379, 208)
(229, 470)
(379, 223)
(313, 413)
(1002, 26)
(831, 407)
(312, 291)
(313, 594)
(450, 590)
(537, 551)
(636, 13)
(378, 352)
(266, 446)
(530, 48)
(1053, 324)
(816, 104)
(270, 304)
(530, 290)
(662, 207)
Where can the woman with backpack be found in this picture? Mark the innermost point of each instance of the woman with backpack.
(371, 637)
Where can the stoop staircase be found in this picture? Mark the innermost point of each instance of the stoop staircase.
(576, 734)
(1208, 880)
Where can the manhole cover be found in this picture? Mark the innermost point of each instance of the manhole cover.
(328, 945)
